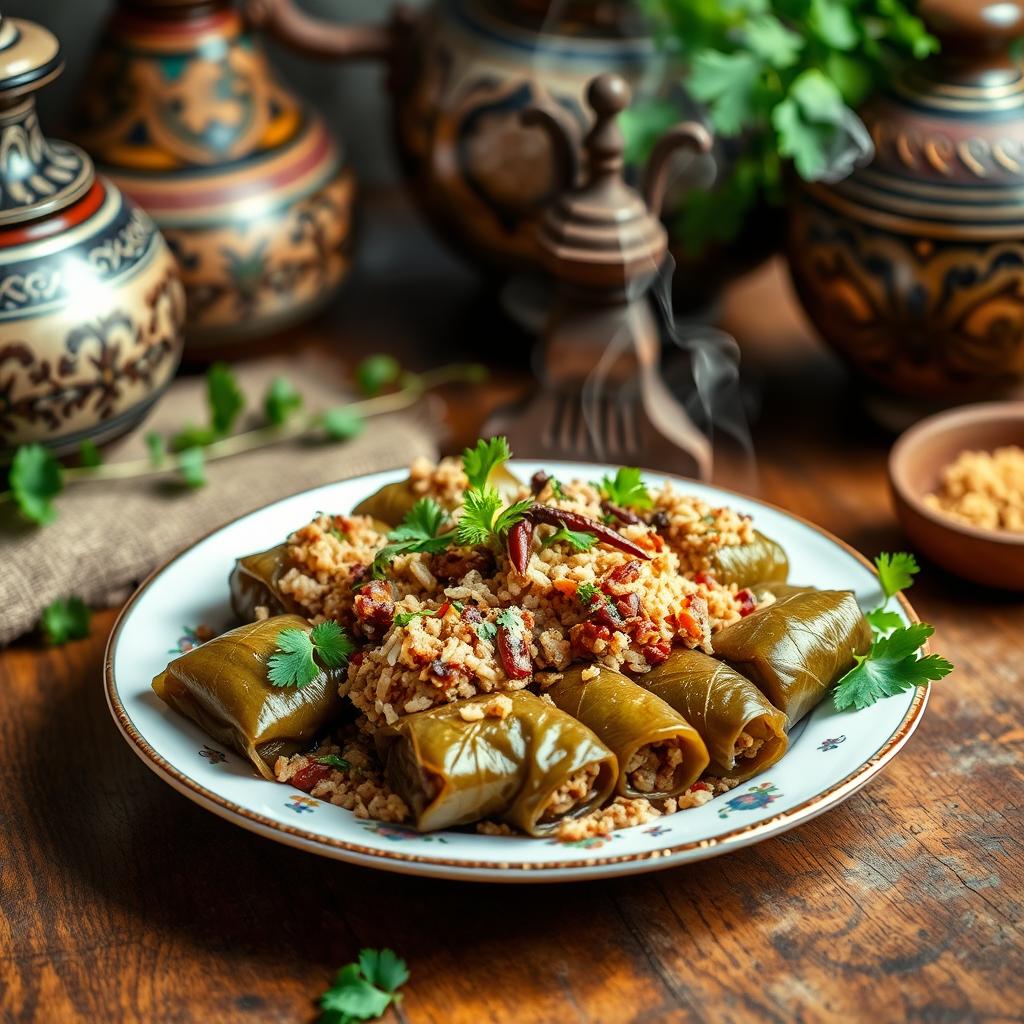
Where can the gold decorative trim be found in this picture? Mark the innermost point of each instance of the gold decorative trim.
(303, 838)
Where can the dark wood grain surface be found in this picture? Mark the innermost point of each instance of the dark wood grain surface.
(121, 900)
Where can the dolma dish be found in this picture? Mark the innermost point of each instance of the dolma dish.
(547, 657)
(743, 731)
(222, 686)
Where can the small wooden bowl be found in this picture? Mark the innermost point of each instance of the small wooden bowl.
(990, 557)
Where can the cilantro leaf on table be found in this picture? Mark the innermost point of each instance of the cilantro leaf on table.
(481, 460)
(224, 397)
(35, 479)
(626, 489)
(191, 463)
(65, 620)
(280, 401)
(896, 571)
(89, 455)
(364, 990)
(293, 663)
(375, 373)
(341, 424)
(576, 539)
(156, 448)
(890, 667)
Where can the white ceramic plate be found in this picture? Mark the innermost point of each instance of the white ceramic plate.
(831, 754)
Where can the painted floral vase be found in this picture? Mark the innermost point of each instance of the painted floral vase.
(913, 268)
(184, 112)
(91, 303)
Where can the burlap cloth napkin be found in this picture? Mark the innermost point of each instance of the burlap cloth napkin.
(110, 534)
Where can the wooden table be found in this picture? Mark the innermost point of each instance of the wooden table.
(123, 901)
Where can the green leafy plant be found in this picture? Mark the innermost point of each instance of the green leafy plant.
(485, 520)
(894, 662)
(65, 620)
(784, 78)
(37, 476)
(578, 540)
(422, 529)
(294, 663)
(364, 990)
(626, 489)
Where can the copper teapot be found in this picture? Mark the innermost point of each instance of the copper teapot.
(461, 73)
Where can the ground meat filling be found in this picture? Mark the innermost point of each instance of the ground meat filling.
(656, 767)
(748, 746)
(576, 790)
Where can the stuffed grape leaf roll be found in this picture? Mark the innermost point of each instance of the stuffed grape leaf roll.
(660, 753)
(744, 733)
(223, 687)
(795, 649)
(254, 584)
(533, 767)
(763, 560)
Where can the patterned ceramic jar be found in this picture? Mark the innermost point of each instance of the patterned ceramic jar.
(913, 268)
(91, 305)
(183, 111)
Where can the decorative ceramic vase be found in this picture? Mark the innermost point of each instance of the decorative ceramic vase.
(183, 111)
(462, 74)
(91, 305)
(913, 268)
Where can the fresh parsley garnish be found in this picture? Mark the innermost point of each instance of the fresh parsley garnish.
(65, 620)
(293, 663)
(484, 521)
(376, 372)
(364, 990)
(341, 424)
(486, 631)
(626, 489)
(280, 401)
(35, 479)
(896, 572)
(89, 455)
(339, 535)
(191, 464)
(556, 488)
(480, 461)
(586, 592)
(576, 539)
(512, 620)
(420, 530)
(892, 664)
(333, 761)
(404, 618)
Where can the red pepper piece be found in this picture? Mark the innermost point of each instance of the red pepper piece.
(306, 778)
(519, 541)
(574, 521)
(514, 654)
(747, 602)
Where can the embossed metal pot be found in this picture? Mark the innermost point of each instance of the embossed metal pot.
(913, 268)
(183, 111)
(91, 305)
(462, 73)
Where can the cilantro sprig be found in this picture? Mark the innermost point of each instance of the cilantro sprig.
(578, 540)
(893, 664)
(365, 989)
(294, 663)
(485, 520)
(36, 477)
(420, 530)
(626, 489)
(65, 620)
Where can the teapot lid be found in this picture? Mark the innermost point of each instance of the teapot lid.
(37, 175)
(30, 57)
(601, 232)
